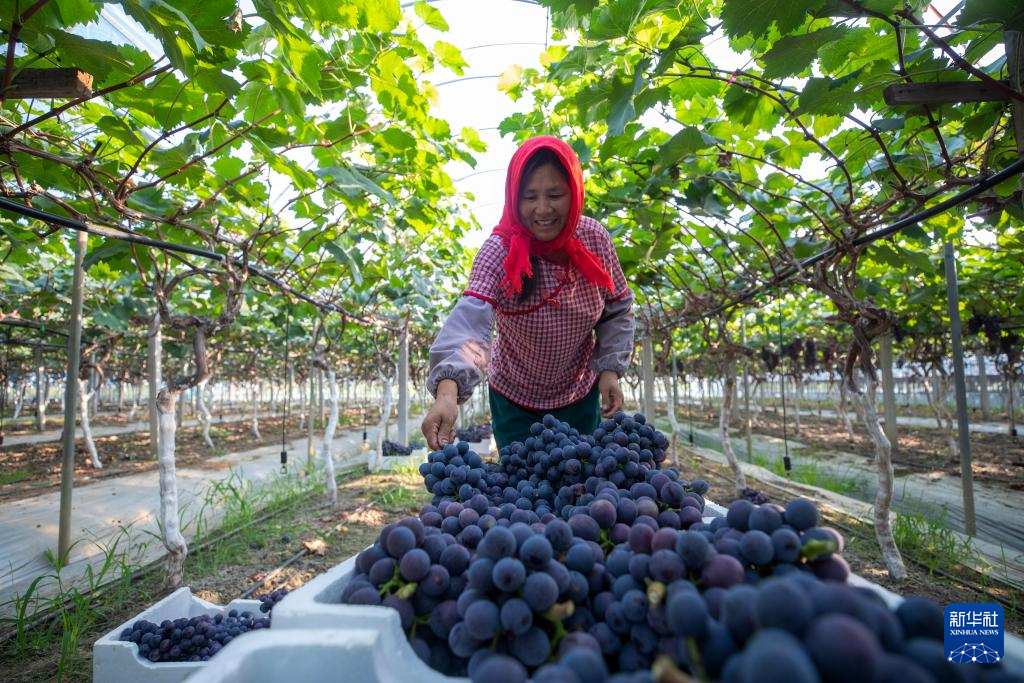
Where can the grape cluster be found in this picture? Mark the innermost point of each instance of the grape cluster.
(480, 432)
(268, 600)
(555, 461)
(753, 495)
(193, 639)
(457, 473)
(389, 448)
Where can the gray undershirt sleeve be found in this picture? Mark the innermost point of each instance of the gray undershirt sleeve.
(463, 347)
(614, 347)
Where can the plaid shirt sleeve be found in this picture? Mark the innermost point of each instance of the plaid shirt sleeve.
(487, 272)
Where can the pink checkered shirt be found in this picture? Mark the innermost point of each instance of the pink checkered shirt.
(541, 356)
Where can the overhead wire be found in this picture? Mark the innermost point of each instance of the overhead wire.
(102, 231)
(991, 181)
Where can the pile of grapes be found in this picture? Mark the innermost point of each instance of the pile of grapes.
(389, 448)
(753, 495)
(602, 571)
(268, 600)
(196, 639)
(480, 432)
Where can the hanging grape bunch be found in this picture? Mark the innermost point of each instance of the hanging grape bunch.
(792, 351)
(827, 354)
(810, 356)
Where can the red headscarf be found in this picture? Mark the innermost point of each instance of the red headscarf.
(521, 244)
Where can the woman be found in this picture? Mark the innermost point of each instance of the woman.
(551, 280)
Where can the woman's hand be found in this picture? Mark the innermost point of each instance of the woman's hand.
(612, 399)
(439, 425)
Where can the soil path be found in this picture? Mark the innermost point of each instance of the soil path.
(112, 430)
(929, 422)
(126, 509)
(908, 420)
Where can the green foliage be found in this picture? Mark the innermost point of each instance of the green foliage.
(718, 170)
(299, 138)
(743, 17)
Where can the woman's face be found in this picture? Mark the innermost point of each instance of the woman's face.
(544, 202)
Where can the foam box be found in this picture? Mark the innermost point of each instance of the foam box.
(375, 653)
(413, 460)
(117, 661)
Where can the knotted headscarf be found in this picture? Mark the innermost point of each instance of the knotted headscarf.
(521, 244)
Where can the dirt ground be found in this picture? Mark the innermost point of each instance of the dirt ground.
(995, 458)
(226, 569)
(55, 419)
(28, 470)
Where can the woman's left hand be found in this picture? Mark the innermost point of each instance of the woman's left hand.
(612, 399)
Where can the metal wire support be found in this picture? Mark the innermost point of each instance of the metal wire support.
(787, 463)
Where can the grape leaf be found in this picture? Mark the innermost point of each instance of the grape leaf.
(1010, 15)
(792, 54)
(742, 17)
(430, 16)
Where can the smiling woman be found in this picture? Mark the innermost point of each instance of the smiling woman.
(550, 280)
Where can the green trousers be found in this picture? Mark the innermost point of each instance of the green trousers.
(511, 421)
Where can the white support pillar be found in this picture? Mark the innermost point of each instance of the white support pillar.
(648, 369)
(403, 387)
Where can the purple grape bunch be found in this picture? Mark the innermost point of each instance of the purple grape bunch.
(390, 448)
(194, 639)
(478, 432)
(268, 600)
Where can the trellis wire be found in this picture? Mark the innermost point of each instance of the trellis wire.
(93, 229)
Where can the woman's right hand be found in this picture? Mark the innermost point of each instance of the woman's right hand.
(439, 425)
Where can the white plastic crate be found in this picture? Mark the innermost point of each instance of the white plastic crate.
(377, 653)
(412, 460)
(117, 661)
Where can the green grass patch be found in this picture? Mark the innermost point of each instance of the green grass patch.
(64, 641)
(929, 538)
(14, 476)
(809, 472)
